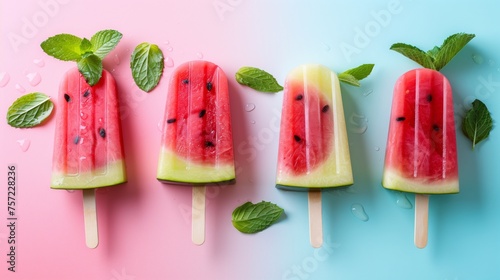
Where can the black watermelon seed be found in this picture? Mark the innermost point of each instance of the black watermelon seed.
(209, 86)
(202, 113)
(299, 97)
(66, 97)
(400, 119)
(429, 97)
(185, 81)
(209, 144)
(102, 132)
(171, 120)
(297, 138)
(435, 127)
(86, 93)
(77, 139)
(325, 108)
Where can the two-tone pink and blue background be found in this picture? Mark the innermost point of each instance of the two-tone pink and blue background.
(145, 226)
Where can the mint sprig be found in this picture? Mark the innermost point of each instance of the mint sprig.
(91, 68)
(354, 75)
(252, 218)
(477, 123)
(87, 53)
(147, 65)
(29, 110)
(437, 57)
(257, 79)
(104, 41)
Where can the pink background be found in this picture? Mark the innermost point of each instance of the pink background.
(144, 226)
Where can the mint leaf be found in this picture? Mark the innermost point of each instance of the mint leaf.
(63, 46)
(415, 54)
(90, 66)
(451, 46)
(85, 46)
(147, 66)
(29, 110)
(252, 218)
(437, 57)
(477, 123)
(354, 75)
(257, 79)
(104, 41)
(432, 53)
(349, 79)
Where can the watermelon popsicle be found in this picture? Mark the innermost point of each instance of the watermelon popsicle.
(88, 148)
(197, 143)
(313, 151)
(421, 154)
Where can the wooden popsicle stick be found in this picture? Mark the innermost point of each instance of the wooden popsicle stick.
(315, 219)
(421, 219)
(198, 215)
(90, 218)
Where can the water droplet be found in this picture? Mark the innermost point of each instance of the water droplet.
(170, 49)
(34, 78)
(39, 62)
(402, 201)
(83, 116)
(100, 120)
(477, 59)
(4, 79)
(249, 107)
(368, 92)
(114, 72)
(160, 126)
(359, 123)
(20, 88)
(166, 42)
(116, 59)
(24, 144)
(377, 148)
(199, 55)
(252, 121)
(169, 62)
(359, 212)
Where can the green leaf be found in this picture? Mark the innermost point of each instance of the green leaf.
(147, 66)
(257, 79)
(349, 79)
(104, 41)
(415, 54)
(252, 218)
(432, 53)
(63, 46)
(90, 66)
(354, 75)
(451, 46)
(437, 57)
(477, 123)
(29, 110)
(85, 46)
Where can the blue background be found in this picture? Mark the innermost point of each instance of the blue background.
(145, 226)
